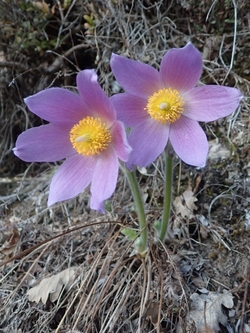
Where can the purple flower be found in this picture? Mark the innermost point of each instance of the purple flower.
(84, 130)
(165, 104)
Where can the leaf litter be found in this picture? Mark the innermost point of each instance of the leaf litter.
(185, 204)
(206, 311)
(52, 286)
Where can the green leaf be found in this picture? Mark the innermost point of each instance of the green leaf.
(107, 206)
(131, 234)
(157, 226)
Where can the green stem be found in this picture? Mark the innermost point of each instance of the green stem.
(167, 196)
(141, 244)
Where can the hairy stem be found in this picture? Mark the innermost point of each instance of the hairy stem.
(167, 196)
(142, 242)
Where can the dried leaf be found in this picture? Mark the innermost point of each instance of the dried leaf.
(2, 57)
(217, 151)
(152, 311)
(184, 204)
(43, 6)
(52, 286)
(207, 312)
(205, 329)
(9, 238)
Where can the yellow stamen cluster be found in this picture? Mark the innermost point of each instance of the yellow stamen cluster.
(166, 105)
(90, 136)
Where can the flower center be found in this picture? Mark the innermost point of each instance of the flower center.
(166, 105)
(90, 136)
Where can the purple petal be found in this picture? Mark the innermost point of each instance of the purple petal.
(135, 77)
(148, 140)
(181, 68)
(72, 177)
(189, 141)
(130, 109)
(104, 179)
(58, 105)
(120, 142)
(208, 103)
(47, 143)
(94, 96)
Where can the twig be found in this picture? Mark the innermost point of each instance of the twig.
(247, 280)
(58, 62)
(14, 64)
(27, 251)
(234, 41)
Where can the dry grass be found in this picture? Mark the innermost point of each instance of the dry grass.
(113, 290)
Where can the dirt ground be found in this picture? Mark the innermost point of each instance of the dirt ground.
(70, 269)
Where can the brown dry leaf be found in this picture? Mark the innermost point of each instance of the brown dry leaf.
(2, 57)
(9, 238)
(207, 311)
(152, 311)
(52, 286)
(205, 329)
(43, 6)
(184, 204)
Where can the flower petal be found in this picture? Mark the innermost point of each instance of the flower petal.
(208, 103)
(130, 109)
(58, 105)
(46, 143)
(94, 96)
(135, 77)
(120, 142)
(181, 68)
(104, 179)
(148, 140)
(189, 141)
(72, 177)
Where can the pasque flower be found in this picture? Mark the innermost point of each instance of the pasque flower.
(84, 130)
(166, 105)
